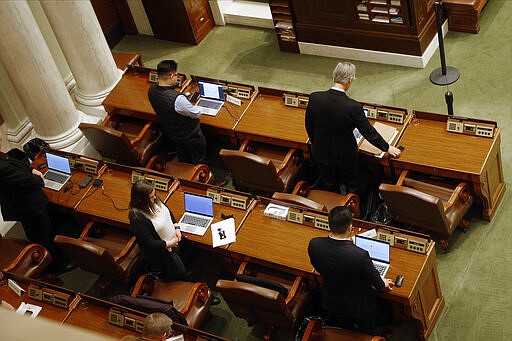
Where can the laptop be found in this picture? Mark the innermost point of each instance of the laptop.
(378, 250)
(58, 173)
(198, 214)
(211, 98)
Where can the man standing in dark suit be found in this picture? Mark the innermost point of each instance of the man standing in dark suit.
(349, 275)
(331, 117)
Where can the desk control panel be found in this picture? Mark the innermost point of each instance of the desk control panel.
(403, 241)
(125, 320)
(228, 199)
(299, 216)
(157, 182)
(462, 125)
(296, 100)
(239, 91)
(51, 296)
(84, 164)
(393, 115)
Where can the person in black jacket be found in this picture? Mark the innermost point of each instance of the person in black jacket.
(331, 117)
(350, 277)
(22, 199)
(158, 236)
(178, 117)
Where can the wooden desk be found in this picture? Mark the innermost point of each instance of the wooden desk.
(48, 310)
(123, 59)
(276, 242)
(268, 120)
(430, 149)
(176, 205)
(109, 203)
(66, 199)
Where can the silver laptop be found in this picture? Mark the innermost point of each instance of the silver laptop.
(198, 214)
(211, 98)
(58, 173)
(378, 250)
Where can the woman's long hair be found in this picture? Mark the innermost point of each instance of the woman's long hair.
(139, 198)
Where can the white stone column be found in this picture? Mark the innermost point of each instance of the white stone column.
(35, 76)
(82, 41)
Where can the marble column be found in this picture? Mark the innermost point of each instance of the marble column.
(82, 41)
(35, 76)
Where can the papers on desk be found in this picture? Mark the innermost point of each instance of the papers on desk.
(387, 132)
(28, 309)
(223, 232)
(176, 338)
(276, 211)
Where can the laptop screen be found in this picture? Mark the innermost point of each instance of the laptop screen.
(377, 249)
(198, 204)
(211, 90)
(58, 163)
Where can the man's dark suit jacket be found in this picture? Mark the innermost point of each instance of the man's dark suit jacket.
(349, 275)
(20, 190)
(331, 116)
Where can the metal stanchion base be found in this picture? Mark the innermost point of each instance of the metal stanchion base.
(452, 75)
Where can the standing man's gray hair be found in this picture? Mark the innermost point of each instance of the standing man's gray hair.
(344, 72)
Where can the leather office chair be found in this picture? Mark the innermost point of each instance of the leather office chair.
(181, 170)
(261, 295)
(105, 250)
(316, 332)
(438, 208)
(320, 200)
(23, 258)
(193, 300)
(124, 139)
(263, 168)
(123, 59)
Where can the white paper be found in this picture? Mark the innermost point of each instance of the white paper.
(233, 100)
(15, 287)
(223, 232)
(28, 309)
(176, 338)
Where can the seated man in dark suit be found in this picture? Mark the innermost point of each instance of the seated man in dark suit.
(349, 275)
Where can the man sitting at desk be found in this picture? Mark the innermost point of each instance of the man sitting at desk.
(178, 117)
(349, 276)
(331, 117)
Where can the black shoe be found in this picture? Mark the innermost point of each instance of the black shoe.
(215, 301)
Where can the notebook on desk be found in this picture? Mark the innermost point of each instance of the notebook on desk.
(198, 214)
(58, 173)
(211, 98)
(378, 251)
(387, 132)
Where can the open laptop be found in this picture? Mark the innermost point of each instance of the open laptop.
(211, 98)
(198, 214)
(378, 250)
(58, 173)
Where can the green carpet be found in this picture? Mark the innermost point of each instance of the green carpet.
(474, 275)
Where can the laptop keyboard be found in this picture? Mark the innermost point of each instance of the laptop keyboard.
(380, 268)
(209, 104)
(55, 177)
(194, 220)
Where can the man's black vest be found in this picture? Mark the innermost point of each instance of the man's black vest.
(162, 99)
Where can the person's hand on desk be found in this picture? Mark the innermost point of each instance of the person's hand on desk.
(38, 173)
(394, 152)
(389, 284)
(6, 305)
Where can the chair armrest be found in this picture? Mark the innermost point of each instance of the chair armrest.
(144, 285)
(301, 188)
(202, 173)
(126, 249)
(312, 332)
(461, 193)
(351, 200)
(142, 133)
(293, 290)
(37, 253)
(245, 146)
(242, 268)
(87, 230)
(106, 121)
(199, 290)
(401, 179)
(292, 156)
(157, 162)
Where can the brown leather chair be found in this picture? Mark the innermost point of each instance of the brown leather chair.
(438, 208)
(123, 59)
(193, 300)
(261, 295)
(316, 332)
(320, 200)
(23, 258)
(263, 168)
(124, 139)
(181, 170)
(105, 250)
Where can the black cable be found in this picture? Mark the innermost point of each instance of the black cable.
(113, 202)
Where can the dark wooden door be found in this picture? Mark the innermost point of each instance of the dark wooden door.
(115, 19)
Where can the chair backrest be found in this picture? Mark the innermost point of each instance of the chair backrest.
(298, 200)
(255, 304)
(252, 171)
(90, 257)
(113, 145)
(411, 206)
